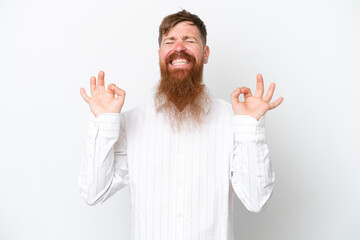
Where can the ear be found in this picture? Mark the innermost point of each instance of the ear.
(206, 54)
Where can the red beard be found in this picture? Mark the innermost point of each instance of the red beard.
(180, 91)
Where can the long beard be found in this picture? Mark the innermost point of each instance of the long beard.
(181, 93)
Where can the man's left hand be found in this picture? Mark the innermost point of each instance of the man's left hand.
(255, 106)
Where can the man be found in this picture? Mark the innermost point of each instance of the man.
(184, 153)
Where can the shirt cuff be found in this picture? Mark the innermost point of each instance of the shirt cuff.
(105, 125)
(248, 128)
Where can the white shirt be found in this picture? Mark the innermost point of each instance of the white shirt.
(181, 182)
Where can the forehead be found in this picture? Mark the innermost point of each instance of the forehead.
(184, 28)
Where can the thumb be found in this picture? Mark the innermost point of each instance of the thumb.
(235, 96)
(120, 93)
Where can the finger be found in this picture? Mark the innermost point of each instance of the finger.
(270, 92)
(84, 95)
(246, 91)
(259, 86)
(276, 103)
(235, 96)
(120, 93)
(93, 85)
(111, 88)
(101, 82)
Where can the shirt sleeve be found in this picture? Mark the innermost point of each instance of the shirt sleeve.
(104, 165)
(252, 176)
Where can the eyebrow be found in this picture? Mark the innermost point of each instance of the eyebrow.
(169, 38)
(184, 38)
(187, 37)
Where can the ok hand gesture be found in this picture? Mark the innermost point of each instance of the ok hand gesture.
(255, 106)
(103, 101)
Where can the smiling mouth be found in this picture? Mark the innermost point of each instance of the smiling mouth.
(179, 61)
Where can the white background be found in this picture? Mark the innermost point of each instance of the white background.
(309, 48)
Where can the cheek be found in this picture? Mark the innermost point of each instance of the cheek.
(196, 52)
(161, 58)
(163, 54)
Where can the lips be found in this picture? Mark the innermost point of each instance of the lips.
(180, 59)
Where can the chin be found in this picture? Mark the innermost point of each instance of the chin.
(179, 73)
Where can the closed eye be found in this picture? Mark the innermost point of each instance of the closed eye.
(189, 39)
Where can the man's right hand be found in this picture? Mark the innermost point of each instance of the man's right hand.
(103, 101)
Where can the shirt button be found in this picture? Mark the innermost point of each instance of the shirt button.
(179, 214)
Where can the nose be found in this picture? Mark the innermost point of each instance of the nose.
(179, 46)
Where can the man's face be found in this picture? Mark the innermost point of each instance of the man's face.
(182, 48)
(181, 57)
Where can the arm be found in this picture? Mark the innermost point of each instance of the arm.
(252, 176)
(104, 168)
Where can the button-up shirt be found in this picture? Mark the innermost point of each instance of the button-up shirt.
(181, 182)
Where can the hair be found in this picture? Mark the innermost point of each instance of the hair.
(181, 95)
(182, 16)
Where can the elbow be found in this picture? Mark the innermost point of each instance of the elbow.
(252, 206)
(254, 209)
(257, 210)
(256, 201)
(88, 198)
(90, 202)
(259, 206)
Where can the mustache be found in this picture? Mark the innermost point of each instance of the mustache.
(180, 54)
